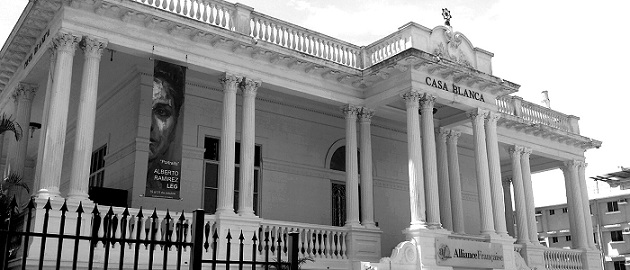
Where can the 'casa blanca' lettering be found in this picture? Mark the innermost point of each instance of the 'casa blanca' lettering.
(454, 88)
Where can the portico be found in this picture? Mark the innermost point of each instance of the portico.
(429, 134)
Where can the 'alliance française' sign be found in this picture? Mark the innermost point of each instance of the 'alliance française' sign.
(471, 254)
(456, 89)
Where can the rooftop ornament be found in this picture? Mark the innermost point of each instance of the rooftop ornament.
(446, 14)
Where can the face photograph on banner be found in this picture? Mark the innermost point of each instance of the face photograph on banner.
(165, 146)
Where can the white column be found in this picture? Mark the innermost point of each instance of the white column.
(414, 150)
(576, 204)
(586, 204)
(443, 180)
(57, 116)
(494, 166)
(47, 96)
(367, 185)
(455, 182)
(248, 147)
(483, 177)
(529, 196)
(429, 158)
(509, 210)
(17, 149)
(225, 200)
(352, 167)
(519, 195)
(86, 117)
(572, 216)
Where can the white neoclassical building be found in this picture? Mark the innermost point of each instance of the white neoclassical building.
(409, 144)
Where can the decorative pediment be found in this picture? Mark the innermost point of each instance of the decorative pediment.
(454, 46)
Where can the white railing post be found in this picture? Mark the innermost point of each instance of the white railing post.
(417, 35)
(242, 19)
(573, 124)
(517, 105)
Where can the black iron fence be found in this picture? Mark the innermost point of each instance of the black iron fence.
(132, 241)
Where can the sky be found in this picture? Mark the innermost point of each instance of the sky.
(573, 49)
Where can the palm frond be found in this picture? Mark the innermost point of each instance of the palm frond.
(14, 180)
(7, 124)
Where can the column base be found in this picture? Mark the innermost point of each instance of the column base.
(424, 240)
(235, 225)
(364, 244)
(44, 194)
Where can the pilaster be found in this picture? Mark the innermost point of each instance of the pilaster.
(246, 193)
(352, 167)
(415, 168)
(225, 200)
(86, 117)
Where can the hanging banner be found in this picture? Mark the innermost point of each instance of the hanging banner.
(165, 147)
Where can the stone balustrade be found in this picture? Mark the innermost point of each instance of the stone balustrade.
(315, 241)
(536, 114)
(563, 259)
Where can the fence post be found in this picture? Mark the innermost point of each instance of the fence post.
(293, 250)
(196, 253)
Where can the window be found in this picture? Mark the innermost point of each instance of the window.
(613, 206)
(616, 236)
(97, 166)
(338, 163)
(619, 265)
(554, 239)
(211, 158)
(567, 238)
(552, 212)
(565, 210)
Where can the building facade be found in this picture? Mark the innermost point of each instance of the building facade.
(264, 124)
(610, 217)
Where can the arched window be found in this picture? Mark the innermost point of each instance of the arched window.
(338, 159)
(338, 163)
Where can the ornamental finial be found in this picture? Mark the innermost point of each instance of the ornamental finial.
(446, 14)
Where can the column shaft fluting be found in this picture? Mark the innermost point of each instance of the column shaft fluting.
(42, 132)
(86, 117)
(225, 200)
(483, 177)
(586, 204)
(494, 166)
(57, 116)
(576, 204)
(519, 195)
(455, 182)
(529, 196)
(414, 150)
(509, 210)
(352, 167)
(248, 147)
(429, 157)
(446, 215)
(367, 184)
(17, 149)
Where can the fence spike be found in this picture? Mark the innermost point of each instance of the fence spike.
(182, 217)
(154, 215)
(254, 238)
(48, 206)
(241, 237)
(168, 216)
(64, 207)
(95, 210)
(229, 236)
(110, 212)
(80, 209)
(139, 215)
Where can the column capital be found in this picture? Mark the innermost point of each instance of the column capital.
(350, 111)
(442, 133)
(66, 42)
(492, 118)
(25, 91)
(574, 163)
(427, 102)
(453, 135)
(526, 152)
(230, 82)
(477, 115)
(365, 114)
(249, 86)
(515, 150)
(411, 97)
(93, 47)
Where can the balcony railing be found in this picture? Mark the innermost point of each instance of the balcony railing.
(536, 114)
(562, 259)
(316, 241)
